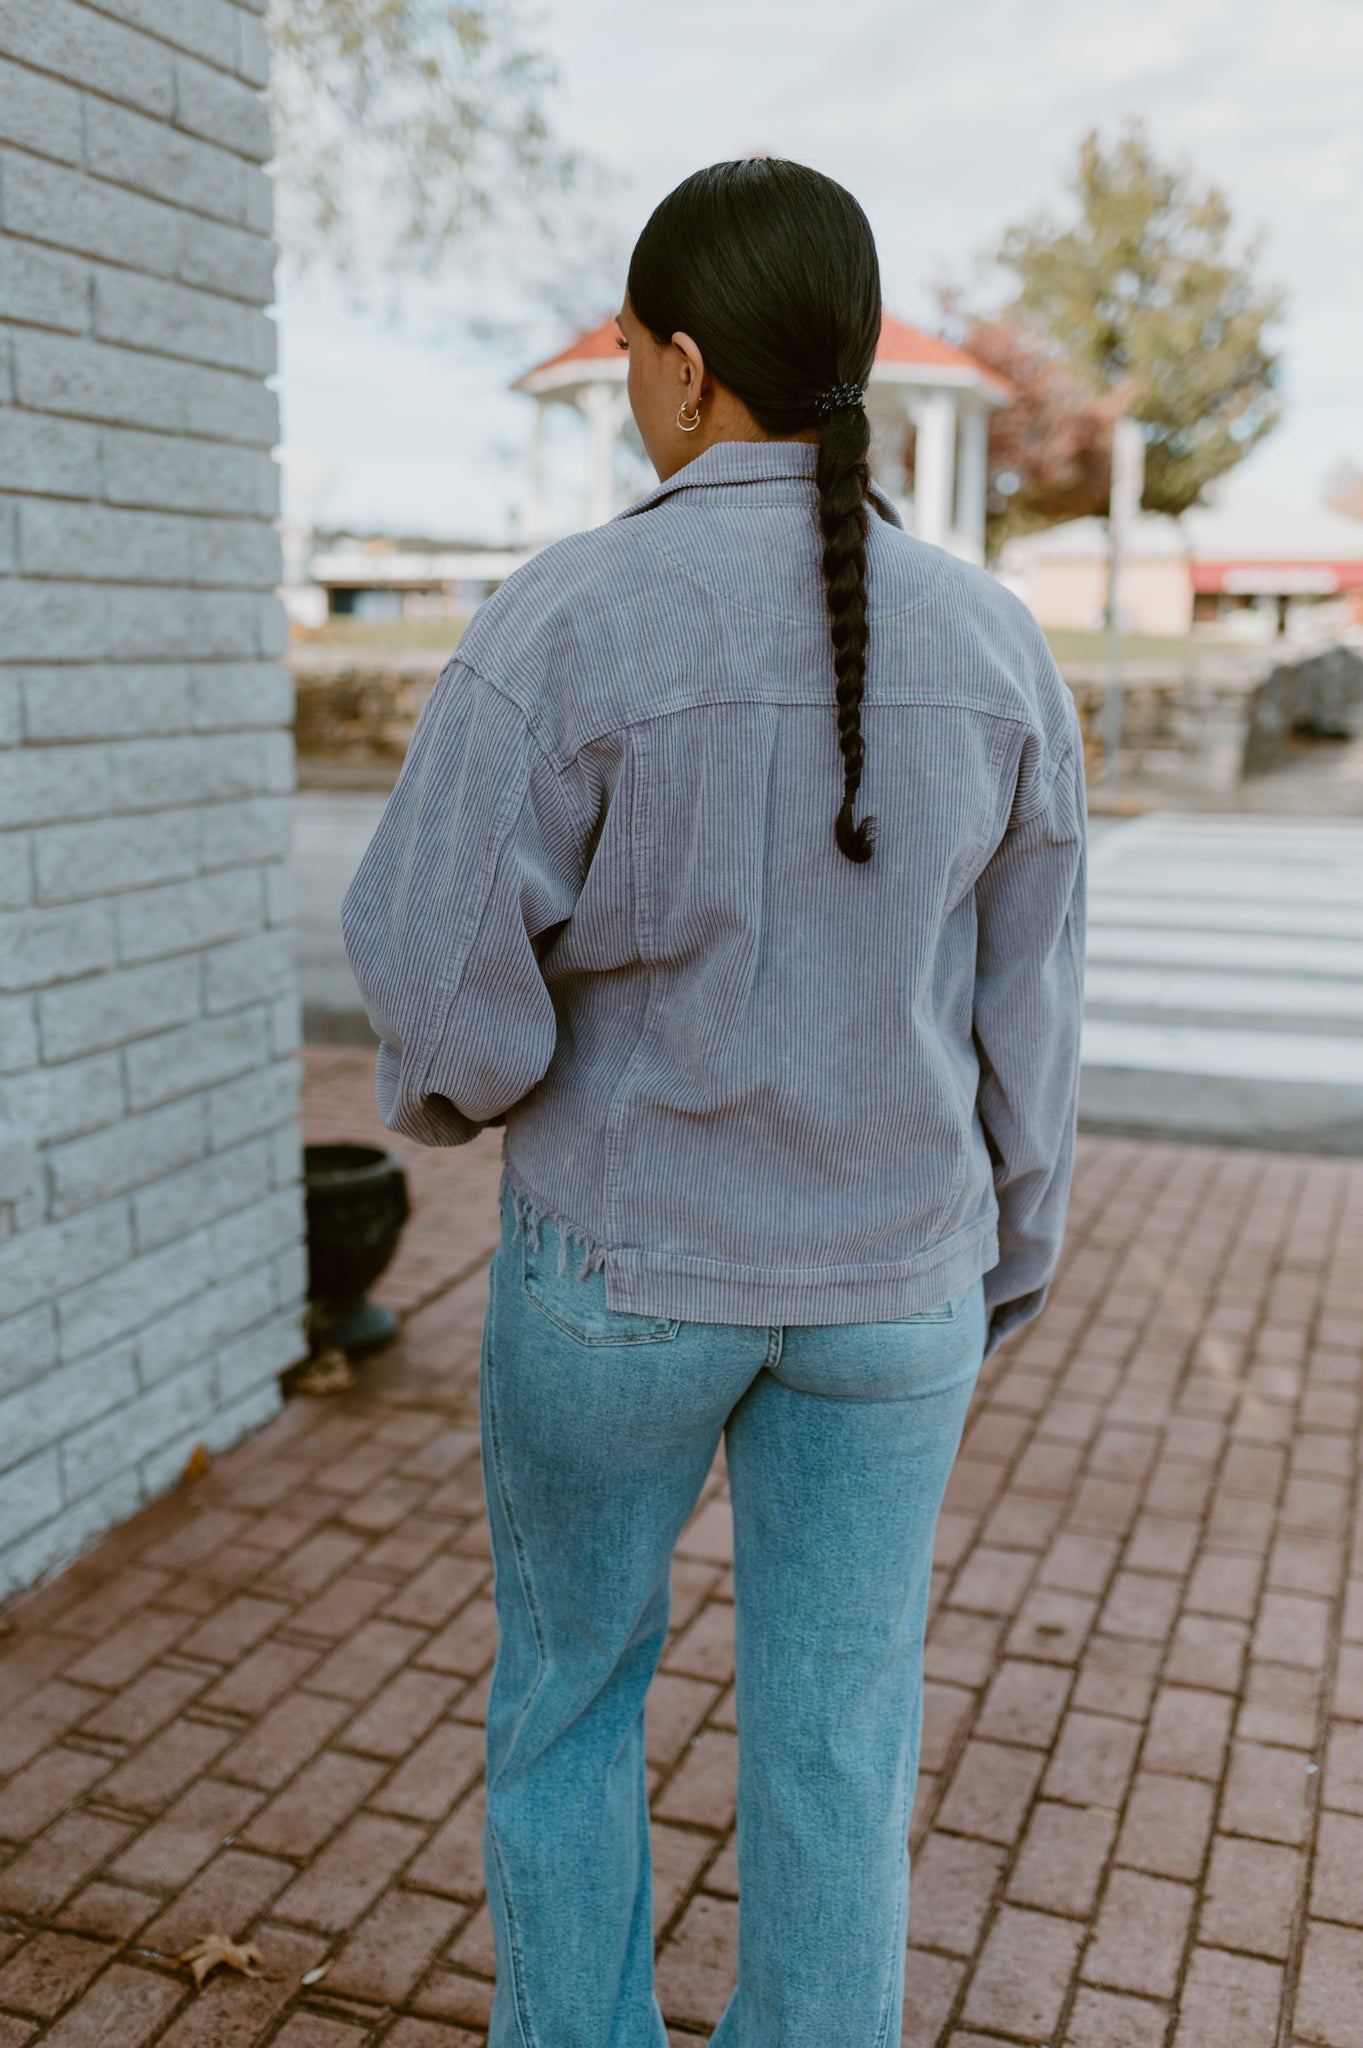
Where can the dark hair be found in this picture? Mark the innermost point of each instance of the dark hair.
(772, 268)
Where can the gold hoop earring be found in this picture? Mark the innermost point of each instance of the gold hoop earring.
(688, 426)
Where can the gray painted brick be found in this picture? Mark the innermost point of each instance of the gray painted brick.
(53, 621)
(181, 475)
(279, 894)
(108, 854)
(65, 1101)
(56, 457)
(56, 1542)
(135, 1151)
(31, 1495)
(255, 830)
(91, 1457)
(97, 380)
(171, 319)
(222, 109)
(28, 1346)
(253, 51)
(274, 632)
(18, 1034)
(39, 947)
(87, 701)
(250, 971)
(137, 565)
(39, 1414)
(206, 28)
(204, 768)
(291, 1273)
(287, 1145)
(63, 621)
(235, 261)
(141, 1289)
(35, 1265)
(104, 544)
(212, 1188)
(260, 208)
(260, 1356)
(40, 286)
(49, 203)
(259, 1232)
(286, 1025)
(162, 162)
(242, 552)
(194, 1057)
(39, 114)
(16, 871)
(11, 707)
(156, 922)
(89, 49)
(213, 1317)
(110, 1009)
(260, 1102)
(53, 783)
(241, 693)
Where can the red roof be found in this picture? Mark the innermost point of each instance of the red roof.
(898, 344)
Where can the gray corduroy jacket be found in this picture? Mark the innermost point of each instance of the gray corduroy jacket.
(757, 1082)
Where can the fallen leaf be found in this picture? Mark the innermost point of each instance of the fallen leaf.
(210, 1952)
(315, 1976)
(328, 1373)
(198, 1463)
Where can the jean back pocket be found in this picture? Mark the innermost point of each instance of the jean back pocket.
(577, 1302)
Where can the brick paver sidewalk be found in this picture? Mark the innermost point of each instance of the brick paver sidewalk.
(256, 1709)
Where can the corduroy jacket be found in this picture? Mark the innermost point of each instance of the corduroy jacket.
(756, 1081)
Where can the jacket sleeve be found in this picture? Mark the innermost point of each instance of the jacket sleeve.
(474, 858)
(1029, 998)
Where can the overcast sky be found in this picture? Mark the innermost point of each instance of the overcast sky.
(948, 119)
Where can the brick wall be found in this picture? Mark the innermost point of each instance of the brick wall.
(151, 1264)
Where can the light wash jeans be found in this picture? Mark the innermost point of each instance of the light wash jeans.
(598, 1431)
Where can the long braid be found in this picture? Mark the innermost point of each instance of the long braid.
(842, 476)
(772, 268)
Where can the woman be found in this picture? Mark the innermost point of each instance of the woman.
(801, 1090)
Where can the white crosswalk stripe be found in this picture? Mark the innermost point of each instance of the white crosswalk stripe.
(1226, 949)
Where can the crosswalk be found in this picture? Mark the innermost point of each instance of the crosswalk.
(1224, 977)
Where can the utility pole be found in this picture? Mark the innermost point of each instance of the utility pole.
(1128, 481)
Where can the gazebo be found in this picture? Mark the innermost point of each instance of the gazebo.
(929, 406)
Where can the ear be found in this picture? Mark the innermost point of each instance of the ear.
(690, 366)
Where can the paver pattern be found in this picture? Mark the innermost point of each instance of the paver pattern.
(256, 1709)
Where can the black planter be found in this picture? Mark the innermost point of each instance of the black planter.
(356, 1207)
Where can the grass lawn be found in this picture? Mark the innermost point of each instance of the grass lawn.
(1075, 646)
(393, 636)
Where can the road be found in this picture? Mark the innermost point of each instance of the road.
(1224, 980)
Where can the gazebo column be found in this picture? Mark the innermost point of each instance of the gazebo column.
(602, 404)
(934, 467)
(536, 521)
(972, 479)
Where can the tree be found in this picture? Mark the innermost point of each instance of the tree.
(1144, 297)
(1050, 447)
(406, 127)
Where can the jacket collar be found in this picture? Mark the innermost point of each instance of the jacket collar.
(751, 462)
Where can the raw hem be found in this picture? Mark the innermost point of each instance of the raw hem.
(696, 1290)
(530, 1215)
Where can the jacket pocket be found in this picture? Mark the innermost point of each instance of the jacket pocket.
(578, 1304)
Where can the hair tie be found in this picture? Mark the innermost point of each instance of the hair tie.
(839, 398)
